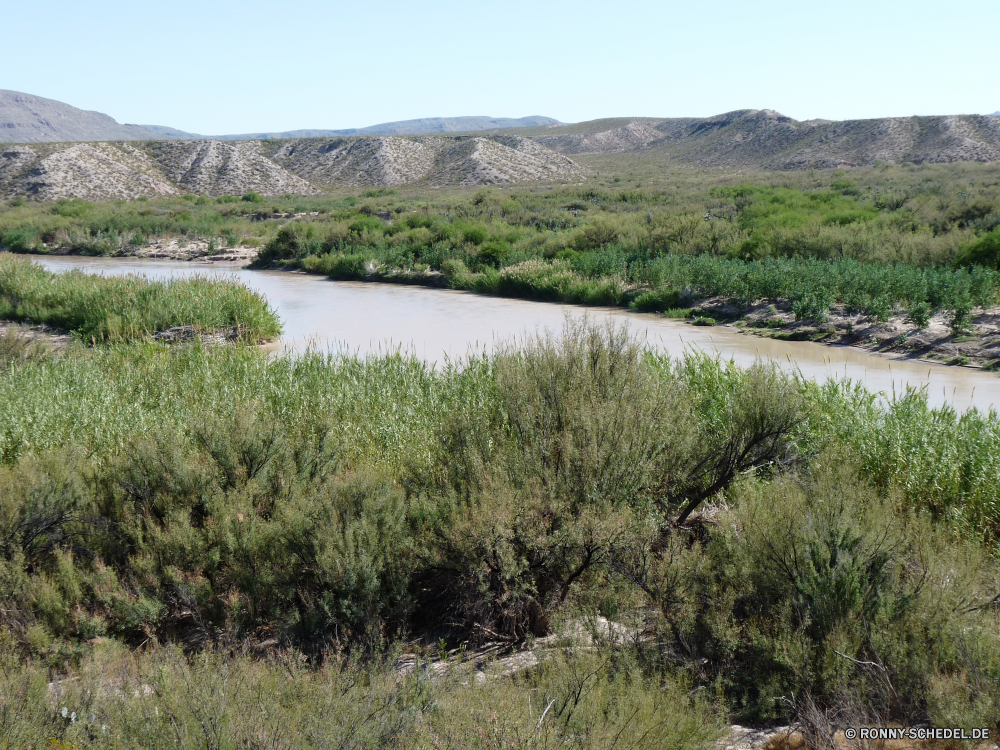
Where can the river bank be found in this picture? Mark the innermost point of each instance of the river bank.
(973, 342)
(441, 325)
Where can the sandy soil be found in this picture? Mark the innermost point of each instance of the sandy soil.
(55, 338)
(178, 248)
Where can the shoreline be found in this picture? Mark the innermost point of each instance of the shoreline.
(895, 338)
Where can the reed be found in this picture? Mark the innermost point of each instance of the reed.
(109, 309)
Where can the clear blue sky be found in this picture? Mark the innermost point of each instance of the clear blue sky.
(228, 67)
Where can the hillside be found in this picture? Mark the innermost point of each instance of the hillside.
(424, 126)
(765, 139)
(25, 118)
(127, 170)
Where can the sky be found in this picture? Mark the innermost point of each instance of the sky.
(225, 67)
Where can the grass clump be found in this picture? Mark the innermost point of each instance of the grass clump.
(158, 698)
(96, 308)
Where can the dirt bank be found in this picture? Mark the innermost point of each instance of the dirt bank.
(977, 345)
(178, 248)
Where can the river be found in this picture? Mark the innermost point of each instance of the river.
(433, 324)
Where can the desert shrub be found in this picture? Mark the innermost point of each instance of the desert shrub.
(492, 254)
(581, 434)
(294, 241)
(252, 197)
(474, 234)
(850, 598)
(984, 251)
(750, 421)
(596, 234)
(364, 224)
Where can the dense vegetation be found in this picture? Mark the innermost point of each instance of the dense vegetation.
(218, 548)
(775, 547)
(98, 308)
(874, 240)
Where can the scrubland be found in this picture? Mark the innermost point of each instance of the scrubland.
(208, 547)
(877, 241)
(573, 542)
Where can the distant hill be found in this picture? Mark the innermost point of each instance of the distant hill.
(25, 118)
(765, 139)
(425, 126)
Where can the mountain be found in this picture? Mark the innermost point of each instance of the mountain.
(996, 114)
(132, 169)
(425, 126)
(25, 118)
(765, 139)
(162, 132)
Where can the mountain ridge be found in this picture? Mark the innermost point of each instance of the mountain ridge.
(26, 118)
(768, 140)
(422, 126)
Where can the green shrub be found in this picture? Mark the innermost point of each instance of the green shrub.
(920, 315)
(475, 235)
(659, 301)
(364, 224)
(21, 240)
(983, 251)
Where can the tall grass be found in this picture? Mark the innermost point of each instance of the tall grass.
(159, 699)
(96, 308)
(771, 537)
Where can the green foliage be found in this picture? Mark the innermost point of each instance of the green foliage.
(162, 699)
(252, 197)
(125, 308)
(774, 537)
(920, 315)
(658, 301)
(983, 251)
(353, 267)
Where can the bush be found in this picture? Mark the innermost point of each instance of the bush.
(351, 267)
(659, 301)
(252, 197)
(920, 315)
(983, 251)
(851, 599)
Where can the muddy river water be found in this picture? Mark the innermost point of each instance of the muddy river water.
(434, 324)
